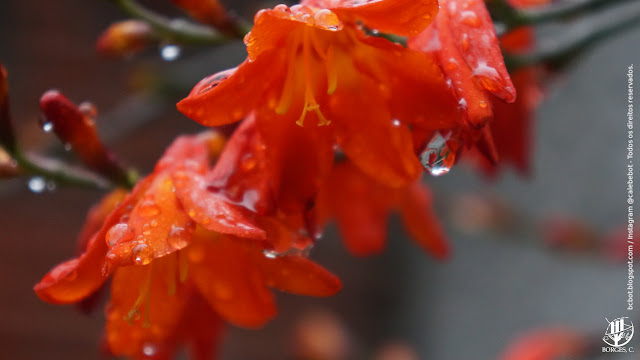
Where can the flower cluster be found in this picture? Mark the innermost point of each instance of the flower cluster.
(335, 121)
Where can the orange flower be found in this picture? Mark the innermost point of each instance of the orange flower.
(313, 64)
(176, 251)
(361, 207)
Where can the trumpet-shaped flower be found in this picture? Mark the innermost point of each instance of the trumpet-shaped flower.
(315, 77)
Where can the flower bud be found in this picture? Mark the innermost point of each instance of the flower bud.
(76, 129)
(7, 137)
(125, 38)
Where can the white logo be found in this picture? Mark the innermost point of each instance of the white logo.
(619, 332)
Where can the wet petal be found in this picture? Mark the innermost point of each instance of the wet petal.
(421, 222)
(472, 100)
(224, 274)
(213, 211)
(97, 215)
(400, 17)
(363, 123)
(298, 275)
(469, 19)
(225, 98)
(144, 310)
(157, 226)
(76, 279)
(361, 207)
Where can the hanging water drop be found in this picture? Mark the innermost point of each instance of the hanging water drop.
(47, 126)
(270, 254)
(37, 184)
(149, 349)
(170, 52)
(437, 158)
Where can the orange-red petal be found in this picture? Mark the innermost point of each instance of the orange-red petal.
(421, 222)
(76, 279)
(298, 275)
(144, 310)
(400, 17)
(226, 97)
(225, 275)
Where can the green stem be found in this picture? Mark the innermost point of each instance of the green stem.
(559, 53)
(57, 172)
(512, 17)
(179, 31)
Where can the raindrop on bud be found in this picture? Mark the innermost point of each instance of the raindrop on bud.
(437, 158)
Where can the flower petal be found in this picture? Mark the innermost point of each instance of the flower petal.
(225, 275)
(298, 275)
(144, 309)
(470, 20)
(472, 100)
(400, 17)
(76, 279)
(227, 97)
(421, 222)
(368, 135)
(213, 211)
(361, 207)
(157, 226)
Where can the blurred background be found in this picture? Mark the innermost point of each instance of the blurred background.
(515, 266)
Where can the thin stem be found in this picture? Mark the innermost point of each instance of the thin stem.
(58, 172)
(512, 17)
(180, 31)
(558, 53)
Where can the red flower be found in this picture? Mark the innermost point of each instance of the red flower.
(173, 247)
(312, 64)
(547, 344)
(361, 207)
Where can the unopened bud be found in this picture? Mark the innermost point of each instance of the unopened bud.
(125, 38)
(77, 130)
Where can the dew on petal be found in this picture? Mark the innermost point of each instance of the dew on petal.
(178, 237)
(396, 123)
(214, 80)
(141, 254)
(119, 233)
(148, 208)
(470, 18)
(327, 19)
(270, 254)
(149, 349)
(437, 158)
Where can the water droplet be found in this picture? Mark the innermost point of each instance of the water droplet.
(178, 237)
(154, 223)
(148, 208)
(214, 80)
(470, 18)
(88, 109)
(118, 233)
(396, 123)
(141, 254)
(170, 52)
(149, 349)
(327, 19)
(482, 104)
(47, 126)
(282, 7)
(248, 162)
(462, 103)
(37, 184)
(437, 158)
(270, 254)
